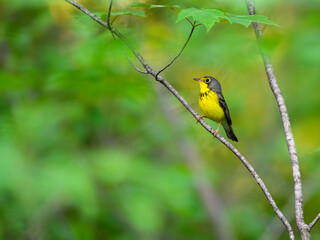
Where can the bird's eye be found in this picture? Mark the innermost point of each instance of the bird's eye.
(207, 80)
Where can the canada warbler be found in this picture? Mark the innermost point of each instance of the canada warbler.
(213, 105)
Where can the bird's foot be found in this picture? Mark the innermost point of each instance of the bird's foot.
(215, 133)
(200, 117)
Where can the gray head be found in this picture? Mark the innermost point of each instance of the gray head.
(212, 83)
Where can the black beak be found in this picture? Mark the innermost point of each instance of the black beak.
(197, 79)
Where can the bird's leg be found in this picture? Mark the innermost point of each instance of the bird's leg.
(216, 131)
(200, 117)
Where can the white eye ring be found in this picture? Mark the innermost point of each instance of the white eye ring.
(207, 80)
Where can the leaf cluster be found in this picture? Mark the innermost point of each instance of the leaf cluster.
(204, 16)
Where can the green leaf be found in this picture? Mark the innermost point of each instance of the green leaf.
(246, 20)
(206, 16)
(187, 12)
(139, 13)
(137, 4)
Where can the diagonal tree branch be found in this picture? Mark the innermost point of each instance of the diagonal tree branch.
(302, 226)
(206, 126)
(310, 226)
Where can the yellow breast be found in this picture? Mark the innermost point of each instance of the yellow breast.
(209, 105)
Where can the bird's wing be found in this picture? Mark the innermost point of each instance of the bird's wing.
(224, 106)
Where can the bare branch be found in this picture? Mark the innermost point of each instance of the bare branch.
(165, 67)
(140, 71)
(86, 11)
(313, 222)
(196, 116)
(287, 129)
(109, 13)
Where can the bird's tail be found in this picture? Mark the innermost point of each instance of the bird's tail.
(229, 131)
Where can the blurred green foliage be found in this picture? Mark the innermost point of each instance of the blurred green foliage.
(86, 151)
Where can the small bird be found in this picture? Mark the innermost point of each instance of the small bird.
(213, 105)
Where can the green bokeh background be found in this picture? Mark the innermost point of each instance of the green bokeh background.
(91, 149)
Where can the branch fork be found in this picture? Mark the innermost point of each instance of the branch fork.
(310, 226)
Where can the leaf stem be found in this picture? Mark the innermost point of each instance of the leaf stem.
(186, 18)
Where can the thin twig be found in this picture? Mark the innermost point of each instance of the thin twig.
(86, 11)
(178, 55)
(109, 16)
(313, 222)
(196, 116)
(140, 71)
(109, 13)
(302, 226)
